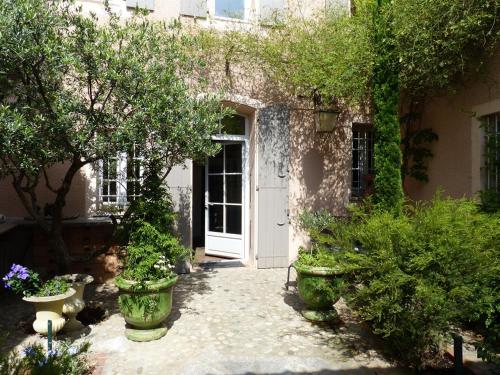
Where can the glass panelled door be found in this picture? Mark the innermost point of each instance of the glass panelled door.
(224, 201)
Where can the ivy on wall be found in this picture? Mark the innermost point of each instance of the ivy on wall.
(388, 194)
(386, 53)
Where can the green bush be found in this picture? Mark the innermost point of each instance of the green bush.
(34, 360)
(151, 255)
(416, 277)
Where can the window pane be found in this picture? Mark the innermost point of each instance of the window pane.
(230, 8)
(215, 189)
(233, 189)
(215, 163)
(216, 218)
(234, 125)
(233, 219)
(233, 158)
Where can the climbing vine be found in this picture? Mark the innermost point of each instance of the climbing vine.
(392, 56)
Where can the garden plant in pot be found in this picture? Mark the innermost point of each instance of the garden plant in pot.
(147, 281)
(48, 297)
(319, 275)
(146, 284)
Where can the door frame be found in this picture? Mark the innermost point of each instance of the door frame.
(245, 207)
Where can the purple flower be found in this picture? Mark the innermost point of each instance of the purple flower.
(29, 351)
(52, 353)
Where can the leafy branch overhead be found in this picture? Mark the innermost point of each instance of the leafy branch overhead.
(75, 90)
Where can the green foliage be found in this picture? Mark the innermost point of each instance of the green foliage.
(441, 42)
(76, 90)
(388, 186)
(419, 275)
(64, 359)
(153, 206)
(416, 153)
(151, 254)
(53, 287)
(23, 281)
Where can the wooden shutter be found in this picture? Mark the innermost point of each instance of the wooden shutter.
(271, 9)
(143, 4)
(273, 155)
(195, 8)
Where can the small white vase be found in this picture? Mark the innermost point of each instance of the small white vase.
(75, 304)
(49, 308)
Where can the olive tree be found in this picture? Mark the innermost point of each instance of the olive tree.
(75, 90)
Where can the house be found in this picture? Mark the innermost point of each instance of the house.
(275, 161)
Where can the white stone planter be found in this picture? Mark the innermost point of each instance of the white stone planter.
(73, 305)
(49, 308)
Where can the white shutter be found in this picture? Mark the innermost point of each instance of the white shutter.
(195, 8)
(143, 4)
(271, 10)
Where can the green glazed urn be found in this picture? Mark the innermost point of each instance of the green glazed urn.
(145, 306)
(319, 289)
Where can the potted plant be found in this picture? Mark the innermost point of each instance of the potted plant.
(73, 305)
(147, 282)
(48, 297)
(319, 276)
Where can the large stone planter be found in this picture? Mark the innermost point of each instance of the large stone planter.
(319, 289)
(73, 305)
(49, 308)
(145, 307)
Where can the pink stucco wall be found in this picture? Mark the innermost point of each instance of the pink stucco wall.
(456, 165)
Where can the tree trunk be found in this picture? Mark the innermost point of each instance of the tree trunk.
(57, 244)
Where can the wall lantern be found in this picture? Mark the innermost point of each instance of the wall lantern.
(326, 120)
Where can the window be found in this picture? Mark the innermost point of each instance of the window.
(230, 8)
(121, 178)
(362, 159)
(491, 125)
(141, 4)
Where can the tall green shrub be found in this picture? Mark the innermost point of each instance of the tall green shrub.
(388, 158)
(416, 277)
(422, 273)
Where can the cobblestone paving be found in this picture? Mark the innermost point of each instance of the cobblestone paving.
(235, 321)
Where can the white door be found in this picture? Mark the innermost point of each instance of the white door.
(225, 201)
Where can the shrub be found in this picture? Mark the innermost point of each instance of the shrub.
(151, 255)
(421, 274)
(33, 360)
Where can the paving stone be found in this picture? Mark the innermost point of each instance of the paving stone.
(231, 321)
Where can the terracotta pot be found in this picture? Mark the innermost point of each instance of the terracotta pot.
(73, 305)
(49, 308)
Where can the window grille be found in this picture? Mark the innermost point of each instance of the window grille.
(362, 158)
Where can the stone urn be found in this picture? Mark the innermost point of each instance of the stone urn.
(72, 306)
(319, 289)
(145, 306)
(49, 308)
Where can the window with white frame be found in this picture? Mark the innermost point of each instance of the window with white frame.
(362, 159)
(267, 10)
(230, 8)
(491, 125)
(120, 178)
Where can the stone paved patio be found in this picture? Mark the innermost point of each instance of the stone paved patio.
(231, 321)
